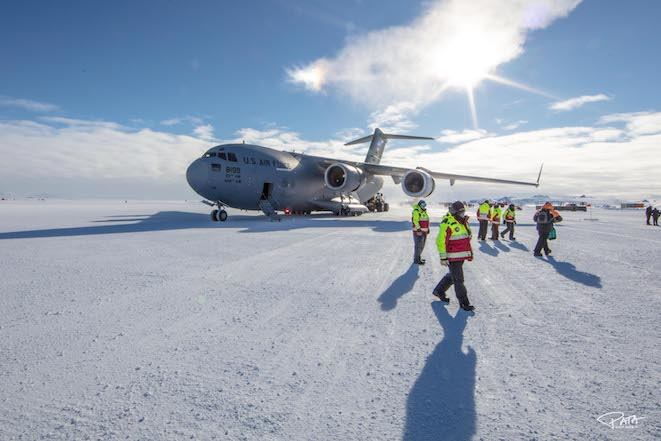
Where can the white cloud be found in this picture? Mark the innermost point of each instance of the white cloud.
(93, 150)
(195, 120)
(204, 131)
(574, 103)
(30, 105)
(637, 123)
(452, 43)
(597, 160)
(514, 125)
(81, 124)
(395, 118)
(455, 137)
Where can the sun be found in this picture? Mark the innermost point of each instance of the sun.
(467, 64)
(467, 60)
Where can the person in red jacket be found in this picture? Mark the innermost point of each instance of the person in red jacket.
(454, 247)
(420, 221)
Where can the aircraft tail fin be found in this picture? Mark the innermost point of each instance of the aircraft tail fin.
(378, 143)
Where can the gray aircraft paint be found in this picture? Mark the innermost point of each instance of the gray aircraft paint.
(296, 181)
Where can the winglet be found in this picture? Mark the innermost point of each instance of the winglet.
(540, 174)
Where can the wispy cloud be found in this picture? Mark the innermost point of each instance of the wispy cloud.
(456, 137)
(395, 118)
(576, 102)
(25, 104)
(195, 120)
(204, 131)
(514, 125)
(637, 123)
(86, 124)
(448, 44)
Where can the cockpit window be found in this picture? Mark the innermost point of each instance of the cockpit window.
(221, 155)
(210, 155)
(231, 157)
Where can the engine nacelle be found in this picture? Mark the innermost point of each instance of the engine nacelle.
(418, 184)
(343, 177)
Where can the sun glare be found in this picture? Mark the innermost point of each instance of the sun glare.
(470, 58)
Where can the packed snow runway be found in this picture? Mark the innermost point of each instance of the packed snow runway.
(145, 320)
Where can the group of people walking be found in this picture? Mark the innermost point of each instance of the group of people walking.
(654, 213)
(488, 213)
(454, 239)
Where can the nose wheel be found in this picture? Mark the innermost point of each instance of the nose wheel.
(218, 215)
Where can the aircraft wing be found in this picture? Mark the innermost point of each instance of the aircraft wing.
(398, 172)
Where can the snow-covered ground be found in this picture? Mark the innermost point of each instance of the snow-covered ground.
(145, 320)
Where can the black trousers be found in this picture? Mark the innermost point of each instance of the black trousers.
(542, 242)
(656, 221)
(484, 225)
(510, 229)
(648, 218)
(454, 277)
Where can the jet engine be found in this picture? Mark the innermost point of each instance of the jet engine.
(343, 177)
(418, 184)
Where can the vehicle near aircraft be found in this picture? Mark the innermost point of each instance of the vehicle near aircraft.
(252, 177)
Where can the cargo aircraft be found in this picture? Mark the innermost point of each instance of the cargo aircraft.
(252, 177)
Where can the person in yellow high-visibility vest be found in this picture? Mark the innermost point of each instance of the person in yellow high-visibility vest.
(420, 221)
(483, 216)
(454, 247)
(496, 214)
(510, 220)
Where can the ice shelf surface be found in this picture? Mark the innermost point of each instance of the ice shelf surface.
(145, 320)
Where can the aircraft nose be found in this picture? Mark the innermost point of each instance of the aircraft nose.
(196, 175)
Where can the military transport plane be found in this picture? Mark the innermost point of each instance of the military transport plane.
(252, 177)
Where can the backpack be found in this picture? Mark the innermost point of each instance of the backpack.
(543, 217)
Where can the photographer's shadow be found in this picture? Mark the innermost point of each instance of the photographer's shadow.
(441, 404)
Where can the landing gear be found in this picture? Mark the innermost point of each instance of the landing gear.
(346, 211)
(217, 214)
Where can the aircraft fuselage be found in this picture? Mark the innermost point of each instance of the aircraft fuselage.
(239, 175)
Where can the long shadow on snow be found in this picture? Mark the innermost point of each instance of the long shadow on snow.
(441, 404)
(400, 286)
(488, 249)
(501, 246)
(518, 246)
(178, 220)
(569, 271)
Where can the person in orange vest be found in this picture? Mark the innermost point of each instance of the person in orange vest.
(420, 220)
(545, 218)
(496, 214)
(510, 220)
(454, 247)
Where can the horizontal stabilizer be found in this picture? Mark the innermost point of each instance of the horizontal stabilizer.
(385, 136)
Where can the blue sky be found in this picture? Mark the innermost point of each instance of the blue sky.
(199, 72)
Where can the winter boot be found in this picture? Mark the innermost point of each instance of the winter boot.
(442, 297)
